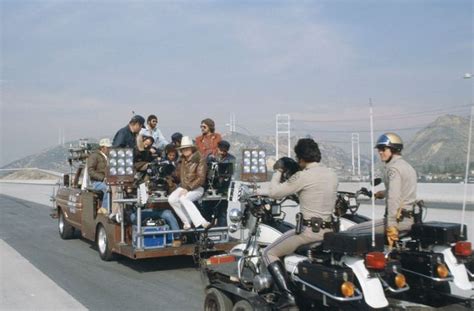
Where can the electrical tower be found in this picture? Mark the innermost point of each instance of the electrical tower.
(282, 128)
(355, 142)
(232, 123)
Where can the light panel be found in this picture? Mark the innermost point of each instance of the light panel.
(120, 166)
(254, 165)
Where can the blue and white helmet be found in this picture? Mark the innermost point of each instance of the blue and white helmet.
(390, 140)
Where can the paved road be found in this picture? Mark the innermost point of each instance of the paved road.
(158, 284)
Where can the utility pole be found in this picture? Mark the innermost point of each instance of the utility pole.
(282, 126)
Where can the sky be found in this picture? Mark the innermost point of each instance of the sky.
(83, 67)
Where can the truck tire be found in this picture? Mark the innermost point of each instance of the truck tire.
(103, 246)
(216, 300)
(242, 305)
(66, 231)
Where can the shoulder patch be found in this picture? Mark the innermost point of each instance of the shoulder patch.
(392, 172)
(294, 177)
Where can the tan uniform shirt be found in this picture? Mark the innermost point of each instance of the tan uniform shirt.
(400, 183)
(316, 187)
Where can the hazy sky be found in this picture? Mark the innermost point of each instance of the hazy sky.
(84, 66)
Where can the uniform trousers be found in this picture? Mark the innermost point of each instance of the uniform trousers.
(289, 242)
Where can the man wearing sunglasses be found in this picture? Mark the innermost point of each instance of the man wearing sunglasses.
(400, 190)
(207, 142)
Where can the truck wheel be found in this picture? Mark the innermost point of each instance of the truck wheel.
(242, 305)
(216, 300)
(66, 231)
(103, 244)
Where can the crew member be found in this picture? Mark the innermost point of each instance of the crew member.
(191, 173)
(223, 156)
(159, 141)
(126, 137)
(208, 140)
(142, 154)
(176, 139)
(316, 186)
(400, 191)
(96, 166)
(171, 154)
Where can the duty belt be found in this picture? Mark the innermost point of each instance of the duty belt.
(318, 221)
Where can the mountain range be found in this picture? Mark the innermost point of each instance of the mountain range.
(440, 147)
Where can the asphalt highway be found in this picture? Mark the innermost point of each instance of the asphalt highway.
(74, 265)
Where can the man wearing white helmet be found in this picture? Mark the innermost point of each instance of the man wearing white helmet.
(400, 190)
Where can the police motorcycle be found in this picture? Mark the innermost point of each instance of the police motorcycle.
(435, 256)
(344, 272)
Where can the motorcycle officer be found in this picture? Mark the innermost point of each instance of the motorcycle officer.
(316, 187)
(400, 191)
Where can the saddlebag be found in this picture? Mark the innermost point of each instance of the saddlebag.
(438, 233)
(352, 242)
(326, 278)
(416, 263)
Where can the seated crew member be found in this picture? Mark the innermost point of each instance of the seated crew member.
(171, 154)
(142, 154)
(208, 140)
(126, 137)
(96, 166)
(159, 141)
(223, 156)
(316, 187)
(400, 183)
(191, 173)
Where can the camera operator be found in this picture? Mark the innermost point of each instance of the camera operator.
(191, 173)
(171, 154)
(223, 177)
(143, 154)
(316, 187)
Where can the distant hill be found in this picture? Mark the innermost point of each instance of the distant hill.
(441, 146)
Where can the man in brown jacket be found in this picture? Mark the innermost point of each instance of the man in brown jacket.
(191, 173)
(96, 166)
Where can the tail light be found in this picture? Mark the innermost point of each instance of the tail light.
(442, 270)
(400, 280)
(463, 249)
(347, 289)
(375, 260)
(220, 259)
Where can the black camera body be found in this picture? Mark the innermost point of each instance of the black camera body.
(159, 172)
(219, 175)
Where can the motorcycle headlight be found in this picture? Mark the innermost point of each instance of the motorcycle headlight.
(235, 215)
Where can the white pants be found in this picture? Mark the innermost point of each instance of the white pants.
(184, 206)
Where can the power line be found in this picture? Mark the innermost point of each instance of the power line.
(439, 111)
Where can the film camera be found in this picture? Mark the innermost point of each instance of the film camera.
(219, 176)
(159, 172)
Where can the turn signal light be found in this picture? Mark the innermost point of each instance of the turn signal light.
(220, 259)
(347, 289)
(442, 270)
(375, 260)
(463, 248)
(400, 280)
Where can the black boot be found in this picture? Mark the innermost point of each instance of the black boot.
(280, 277)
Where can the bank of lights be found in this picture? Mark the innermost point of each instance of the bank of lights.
(120, 164)
(254, 165)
